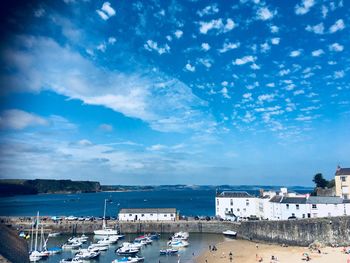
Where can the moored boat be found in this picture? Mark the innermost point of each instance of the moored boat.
(168, 251)
(230, 233)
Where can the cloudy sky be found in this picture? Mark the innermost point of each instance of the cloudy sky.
(167, 92)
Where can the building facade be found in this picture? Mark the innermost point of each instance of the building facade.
(279, 205)
(342, 182)
(147, 214)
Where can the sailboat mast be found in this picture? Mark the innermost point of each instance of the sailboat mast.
(32, 237)
(36, 231)
(104, 214)
(41, 238)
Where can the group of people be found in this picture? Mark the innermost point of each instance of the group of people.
(212, 248)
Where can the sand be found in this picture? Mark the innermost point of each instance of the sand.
(246, 252)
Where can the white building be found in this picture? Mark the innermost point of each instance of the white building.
(231, 205)
(278, 206)
(147, 214)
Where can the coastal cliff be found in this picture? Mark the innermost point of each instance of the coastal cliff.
(43, 186)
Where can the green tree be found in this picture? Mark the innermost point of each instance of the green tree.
(320, 181)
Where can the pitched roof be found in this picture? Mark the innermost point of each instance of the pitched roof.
(293, 200)
(276, 199)
(240, 194)
(343, 171)
(324, 200)
(147, 210)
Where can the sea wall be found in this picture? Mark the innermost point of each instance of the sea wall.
(335, 230)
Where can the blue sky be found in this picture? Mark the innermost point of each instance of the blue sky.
(168, 92)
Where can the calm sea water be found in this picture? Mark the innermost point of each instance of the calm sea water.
(189, 202)
(198, 243)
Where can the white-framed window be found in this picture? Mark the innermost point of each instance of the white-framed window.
(297, 206)
(231, 202)
(343, 178)
(165, 215)
(142, 214)
(287, 206)
(314, 206)
(130, 214)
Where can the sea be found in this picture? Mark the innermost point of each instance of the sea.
(188, 201)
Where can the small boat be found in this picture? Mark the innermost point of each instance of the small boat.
(178, 243)
(126, 251)
(71, 260)
(137, 258)
(35, 256)
(168, 251)
(72, 245)
(181, 235)
(105, 231)
(95, 248)
(85, 254)
(154, 236)
(54, 250)
(54, 234)
(125, 260)
(230, 233)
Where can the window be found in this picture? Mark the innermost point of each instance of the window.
(343, 179)
(303, 215)
(297, 207)
(237, 209)
(231, 202)
(314, 206)
(287, 205)
(217, 202)
(165, 215)
(142, 214)
(130, 214)
(247, 202)
(244, 209)
(151, 214)
(171, 215)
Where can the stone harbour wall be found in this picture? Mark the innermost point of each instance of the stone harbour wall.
(302, 232)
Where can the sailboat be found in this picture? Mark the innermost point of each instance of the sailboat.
(35, 255)
(105, 231)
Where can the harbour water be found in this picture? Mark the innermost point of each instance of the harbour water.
(198, 243)
(189, 202)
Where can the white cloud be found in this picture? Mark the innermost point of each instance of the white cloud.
(264, 13)
(205, 46)
(136, 94)
(339, 74)
(208, 10)
(102, 47)
(112, 40)
(152, 45)
(317, 29)
(216, 24)
(298, 92)
(244, 60)
(205, 62)
(106, 127)
(178, 33)
(336, 47)
(247, 95)
(324, 11)
(229, 46)
(85, 142)
(248, 117)
(266, 97)
(106, 11)
(304, 7)
(224, 93)
(275, 40)
(18, 120)
(271, 85)
(295, 53)
(106, 7)
(317, 53)
(265, 47)
(39, 12)
(337, 26)
(274, 29)
(189, 67)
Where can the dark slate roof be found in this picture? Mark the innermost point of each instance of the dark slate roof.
(293, 200)
(147, 210)
(346, 201)
(235, 194)
(324, 200)
(276, 199)
(288, 200)
(343, 171)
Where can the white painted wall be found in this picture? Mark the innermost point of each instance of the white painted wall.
(147, 216)
(240, 206)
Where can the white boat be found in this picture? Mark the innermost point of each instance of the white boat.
(181, 235)
(95, 248)
(54, 234)
(168, 251)
(230, 233)
(126, 251)
(71, 260)
(132, 245)
(124, 260)
(86, 254)
(105, 231)
(35, 255)
(178, 243)
(72, 245)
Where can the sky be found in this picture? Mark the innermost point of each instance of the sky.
(175, 92)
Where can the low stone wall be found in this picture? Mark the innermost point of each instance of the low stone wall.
(335, 230)
(329, 231)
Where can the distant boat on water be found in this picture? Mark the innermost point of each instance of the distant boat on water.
(105, 231)
(230, 233)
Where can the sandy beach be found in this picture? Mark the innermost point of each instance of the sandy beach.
(250, 252)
